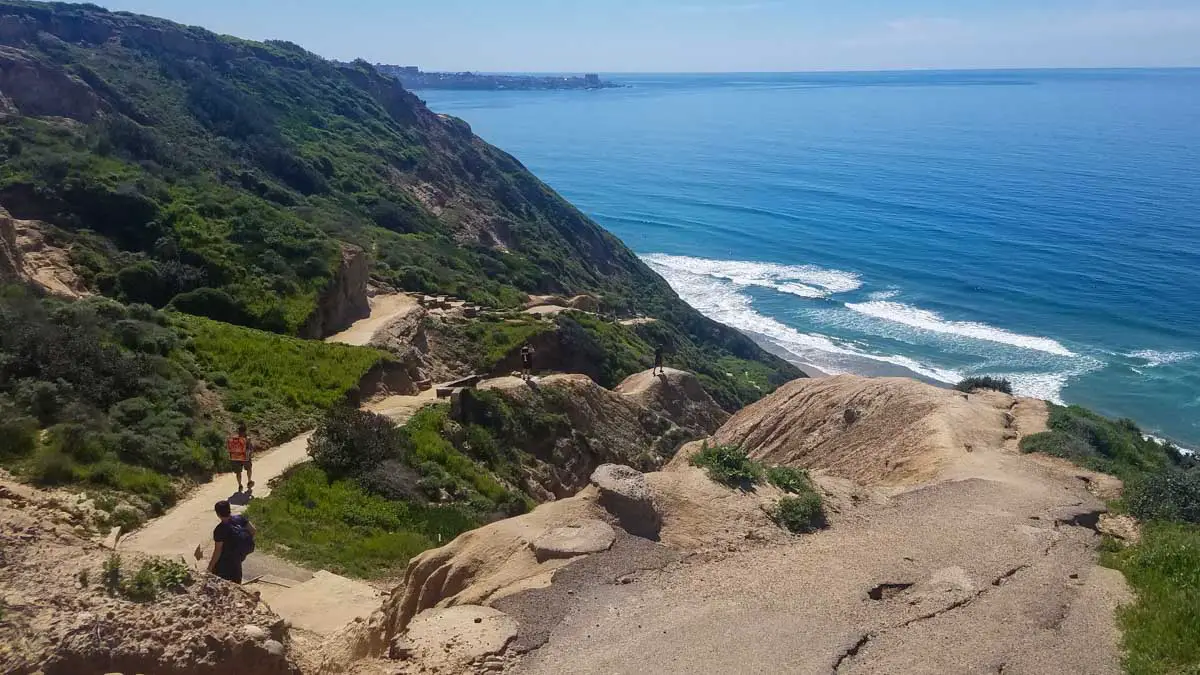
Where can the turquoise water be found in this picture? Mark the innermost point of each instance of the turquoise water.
(1043, 226)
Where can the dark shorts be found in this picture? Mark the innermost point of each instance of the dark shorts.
(234, 575)
(238, 466)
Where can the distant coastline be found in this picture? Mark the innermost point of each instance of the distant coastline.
(413, 77)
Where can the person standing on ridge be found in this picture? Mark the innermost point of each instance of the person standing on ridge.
(233, 540)
(241, 454)
(527, 362)
(658, 361)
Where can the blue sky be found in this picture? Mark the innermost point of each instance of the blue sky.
(713, 35)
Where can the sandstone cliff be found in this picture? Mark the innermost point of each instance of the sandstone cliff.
(678, 396)
(878, 430)
(26, 256)
(344, 300)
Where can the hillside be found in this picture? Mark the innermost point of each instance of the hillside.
(258, 184)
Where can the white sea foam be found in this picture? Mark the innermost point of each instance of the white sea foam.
(806, 281)
(1044, 386)
(1180, 448)
(721, 299)
(1154, 358)
(931, 321)
(886, 294)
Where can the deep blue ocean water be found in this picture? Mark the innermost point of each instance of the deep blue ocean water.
(1040, 225)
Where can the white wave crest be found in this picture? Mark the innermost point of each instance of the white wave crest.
(806, 281)
(1154, 358)
(1159, 439)
(721, 299)
(931, 321)
(886, 294)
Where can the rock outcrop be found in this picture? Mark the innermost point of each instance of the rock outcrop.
(60, 620)
(500, 560)
(625, 494)
(345, 300)
(676, 395)
(38, 89)
(600, 427)
(877, 430)
(26, 256)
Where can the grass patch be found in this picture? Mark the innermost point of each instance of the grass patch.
(339, 526)
(1162, 627)
(729, 465)
(985, 382)
(278, 385)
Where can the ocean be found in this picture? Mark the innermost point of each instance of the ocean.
(1043, 226)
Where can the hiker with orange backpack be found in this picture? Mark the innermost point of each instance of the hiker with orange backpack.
(241, 456)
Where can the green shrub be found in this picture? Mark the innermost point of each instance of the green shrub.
(352, 442)
(1115, 447)
(1172, 495)
(1162, 627)
(790, 480)
(800, 514)
(18, 435)
(730, 465)
(51, 466)
(977, 383)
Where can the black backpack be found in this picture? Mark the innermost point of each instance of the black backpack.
(242, 540)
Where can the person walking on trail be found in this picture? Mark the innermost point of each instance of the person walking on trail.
(527, 362)
(233, 540)
(241, 454)
(658, 361)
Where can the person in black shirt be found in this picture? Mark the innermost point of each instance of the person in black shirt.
(658, 361)
(230, 544)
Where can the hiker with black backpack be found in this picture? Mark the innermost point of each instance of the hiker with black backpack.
(233, 540)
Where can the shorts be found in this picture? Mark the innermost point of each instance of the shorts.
(234, 575)
(238, 466)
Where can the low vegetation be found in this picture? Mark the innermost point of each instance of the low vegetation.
(1114, 447)
(800, 511)
(1162, 628)
(729, 465)
(279, 386)
(130, 399)
(338, 525)
(1162, 490)
(985, 382)
(377, 493)
(154, 578)
(801, 514)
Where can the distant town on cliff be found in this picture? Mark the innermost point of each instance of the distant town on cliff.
(413, 77)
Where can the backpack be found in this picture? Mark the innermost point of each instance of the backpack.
(242, 541)
(236, 445)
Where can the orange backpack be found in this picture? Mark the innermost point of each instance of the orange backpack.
(236, 445)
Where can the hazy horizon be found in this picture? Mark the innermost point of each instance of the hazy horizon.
(715, 36)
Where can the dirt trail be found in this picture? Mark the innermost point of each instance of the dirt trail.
(384, 310)
(302, 597)
(992, 572)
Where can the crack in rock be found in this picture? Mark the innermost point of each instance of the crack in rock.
(852, 651)
(1009, 574)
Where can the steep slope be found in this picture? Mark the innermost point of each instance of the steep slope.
(242, 181)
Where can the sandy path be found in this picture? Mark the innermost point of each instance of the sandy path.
(1000, 584)
(384, 310)
(189, 523)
